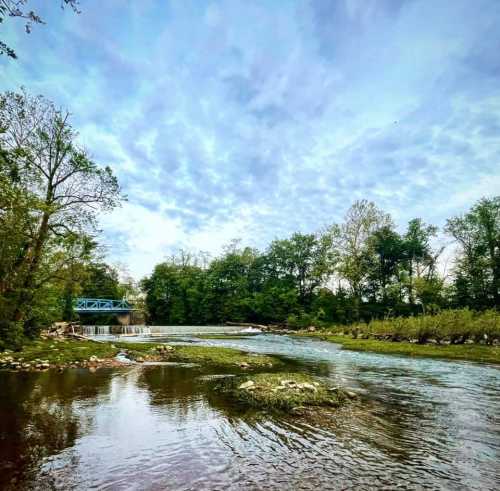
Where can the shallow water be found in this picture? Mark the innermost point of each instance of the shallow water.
(419, 424)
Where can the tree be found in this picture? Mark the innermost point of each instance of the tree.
(351, 239)
(17, 9)
(477, 267)
(419, 255)
(61, 188)
(176, 293)
(304, 262)
(387, 249)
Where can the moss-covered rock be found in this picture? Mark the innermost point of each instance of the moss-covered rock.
(283, 391)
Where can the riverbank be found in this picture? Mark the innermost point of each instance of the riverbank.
(469, 352)
(61, 353)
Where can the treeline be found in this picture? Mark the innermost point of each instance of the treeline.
(50, 195)
(358, 270)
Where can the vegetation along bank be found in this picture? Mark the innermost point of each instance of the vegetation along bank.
(454, 334)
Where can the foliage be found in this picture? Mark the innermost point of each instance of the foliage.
(51, 192)
(17, 9)
(359, 270)
(477, 267)
(447, 326)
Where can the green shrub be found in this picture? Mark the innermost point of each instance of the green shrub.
(446, 326)
(11, 335)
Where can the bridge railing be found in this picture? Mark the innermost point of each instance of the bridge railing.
(101, 305)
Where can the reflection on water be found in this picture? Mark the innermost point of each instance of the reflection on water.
(420, 424)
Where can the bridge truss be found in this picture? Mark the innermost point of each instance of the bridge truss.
(101, 305)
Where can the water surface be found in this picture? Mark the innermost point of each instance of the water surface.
(419, 424)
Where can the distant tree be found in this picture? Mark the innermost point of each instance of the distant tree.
(176, 292)
(304, 261)
(101, 282)
(386, 247)
(351, 239)
(420, 257)
(18, 9)
(477, 268)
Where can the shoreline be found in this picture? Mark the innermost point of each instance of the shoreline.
(459, 352)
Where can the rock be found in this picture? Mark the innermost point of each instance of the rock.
(307, 386)
(250, 384)
(311, 328)
(244, 364)
(140, 359)
(93, 359)
(350, 394)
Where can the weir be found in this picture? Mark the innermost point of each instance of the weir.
(143, 330)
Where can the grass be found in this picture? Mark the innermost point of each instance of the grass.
(472, 352)
(203, 355)
(448, 326)
(282, 391)
(65, 352)
(212, 355)
(60, 352)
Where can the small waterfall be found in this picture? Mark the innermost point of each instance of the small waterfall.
(96, 330)
(142, 330)
(103, 330)
(135, 330)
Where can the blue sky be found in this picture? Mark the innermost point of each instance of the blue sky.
(253, 119)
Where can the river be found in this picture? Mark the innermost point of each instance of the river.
(418, 424)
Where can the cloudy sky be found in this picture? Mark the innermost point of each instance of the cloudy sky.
(253, 119)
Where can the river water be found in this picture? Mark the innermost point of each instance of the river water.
(418, 424)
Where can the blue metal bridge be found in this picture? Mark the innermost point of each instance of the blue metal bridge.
(101, 305)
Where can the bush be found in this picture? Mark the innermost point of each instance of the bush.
(450, 326)
(11, 335)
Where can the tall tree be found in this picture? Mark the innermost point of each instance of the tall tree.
(478, 265)
(418, 251)
(64, 187)
(361, 221)
(304, 260)
(387, 248)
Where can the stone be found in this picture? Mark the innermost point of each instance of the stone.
(140, 359)
(93, 359)
(308, 386)
(250, 384)
(350, 394)
(244, 364)
(311, 328)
